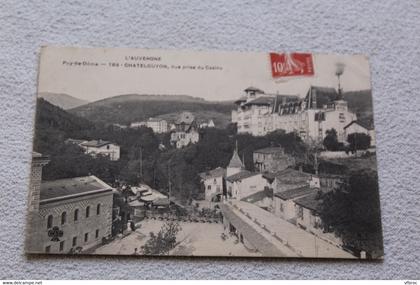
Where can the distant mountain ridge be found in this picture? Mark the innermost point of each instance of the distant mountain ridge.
(148, 97)
(128, 108)
(62, 100)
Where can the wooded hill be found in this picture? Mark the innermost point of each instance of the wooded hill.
(61, 100)
(125, 109)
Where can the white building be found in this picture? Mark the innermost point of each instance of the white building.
(322, 109)
(357, 127)
(185, 132)
(98, 147)
(157, 125)
(138, 124)
(241, 183)
(212, 182)
(209, 124)
(244, 184)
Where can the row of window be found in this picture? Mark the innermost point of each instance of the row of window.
(50, 218)
(74, 242)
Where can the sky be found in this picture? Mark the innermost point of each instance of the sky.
(224, 75)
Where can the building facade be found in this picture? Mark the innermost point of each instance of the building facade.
(71, 215)
(307, 213)
(357, 127)
(212, 182)
(158, 125)
(322, 109)
(186, 131)
(135, 125)
(98, 147)
(272, 159)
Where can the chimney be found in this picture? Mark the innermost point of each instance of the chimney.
(38, 162)
(34, 220)
(314, 99)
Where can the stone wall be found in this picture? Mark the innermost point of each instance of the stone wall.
(71, 228)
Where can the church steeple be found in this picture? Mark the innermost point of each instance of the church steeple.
(235, 164)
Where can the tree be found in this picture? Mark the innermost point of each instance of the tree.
(358, 141)
(330, 140)
(353, 213)
(162, 242)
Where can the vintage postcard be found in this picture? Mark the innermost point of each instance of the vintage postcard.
(189, 153)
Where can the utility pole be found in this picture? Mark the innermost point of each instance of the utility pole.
(141, 162)
(169, 181)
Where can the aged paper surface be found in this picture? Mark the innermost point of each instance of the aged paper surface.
(192, 153)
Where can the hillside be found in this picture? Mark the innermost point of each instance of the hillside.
(61, 100)
(53, 125)
(125, 109)
(360, 102)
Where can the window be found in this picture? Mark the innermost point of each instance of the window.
(47, 249)
(74, 241)
(300, 212)
(281, 207)
(107, 147)
(87, 211)
(86, 237)
(98, 209)
(63, 218)
(209, 187)
(49, 221)
(342, 118)
(97, 234)
(76, 215)
(61, 245)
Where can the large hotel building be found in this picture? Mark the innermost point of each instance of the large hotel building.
(322, 109)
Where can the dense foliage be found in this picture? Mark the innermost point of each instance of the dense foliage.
(143, 159)
(162, 242)
(353, 213)
(358, 141)
(330, 141)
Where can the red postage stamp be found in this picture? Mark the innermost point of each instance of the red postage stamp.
(291, 64)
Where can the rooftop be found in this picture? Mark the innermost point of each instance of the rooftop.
(253, 89)
(241, 175)
(311, 201)
(322, 95)
(263, 100)
(75, 141)
(95, 143)
(186, 118)
(217, 172)
(39, 158)
(258, 196)
(72, 187)
(155, 119)
(235, 161)
(294, 193)
(292, 175)
(240, 100)
(269, 150)
(359, 123)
